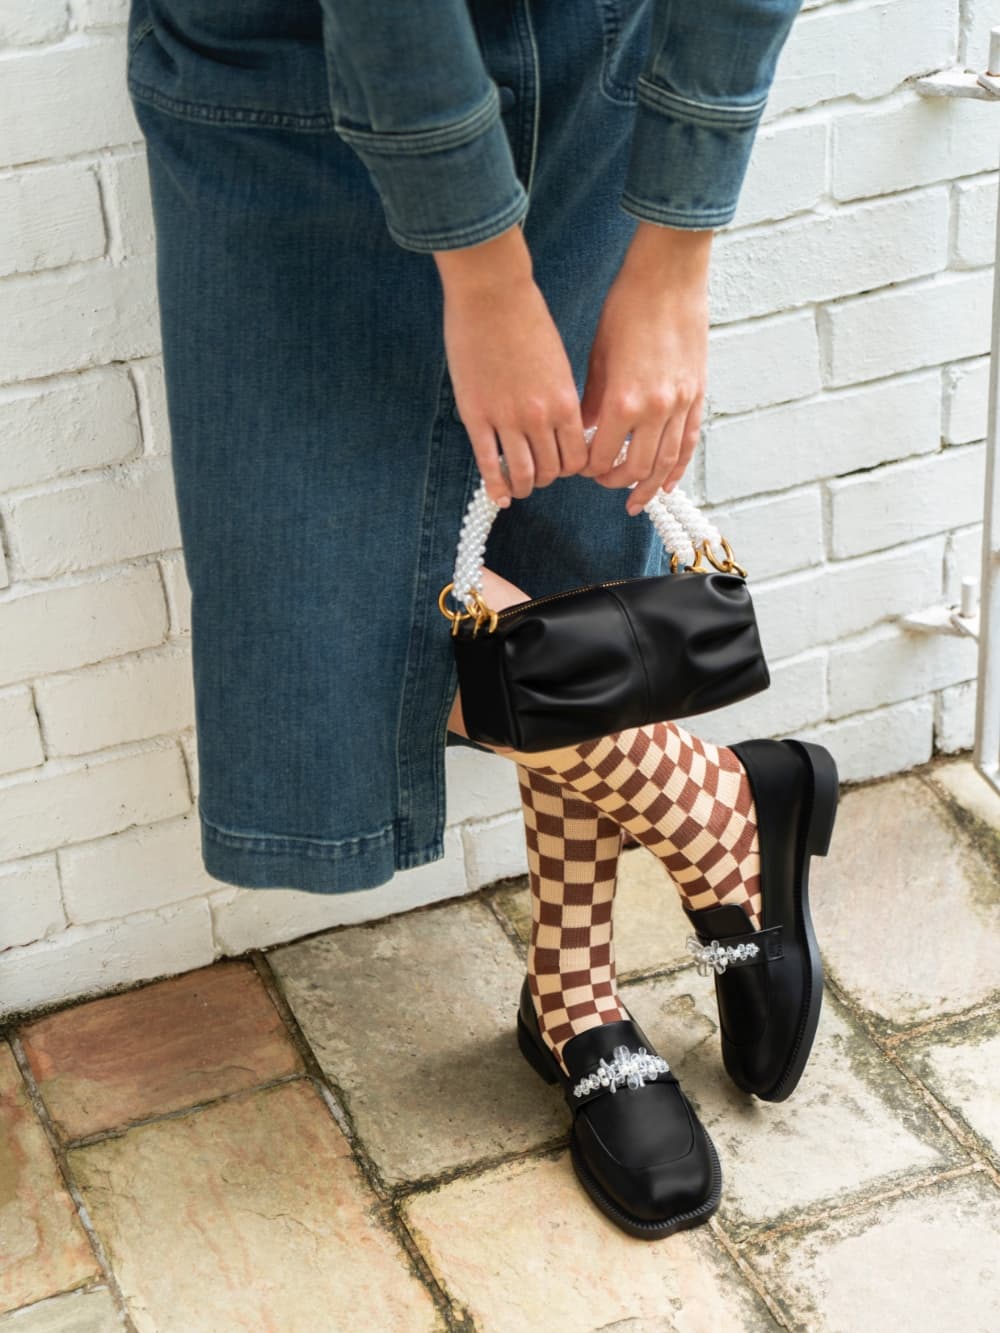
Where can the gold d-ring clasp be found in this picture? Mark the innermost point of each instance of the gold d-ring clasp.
(703, 550)
(481, 614)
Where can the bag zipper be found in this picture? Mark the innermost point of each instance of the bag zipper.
(554, 596)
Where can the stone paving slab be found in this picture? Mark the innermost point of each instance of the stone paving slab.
(928, 1262)
(907, 911)
(158, 1048)
(523, 1247)
(43, 1247)
(962, 783)
(413, 1018)
(90, 1311)
(852, 1125)
(650, 927)
(960, 1064)
(247, 1214)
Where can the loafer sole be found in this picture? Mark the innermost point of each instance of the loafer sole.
(635, 1226)
(815, 834)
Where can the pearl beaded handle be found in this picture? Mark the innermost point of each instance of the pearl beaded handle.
(681, 526)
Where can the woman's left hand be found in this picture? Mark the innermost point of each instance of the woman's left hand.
(648, 360)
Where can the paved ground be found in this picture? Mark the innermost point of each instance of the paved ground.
(340, 1133)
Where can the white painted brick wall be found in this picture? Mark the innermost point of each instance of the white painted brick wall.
(842, 455)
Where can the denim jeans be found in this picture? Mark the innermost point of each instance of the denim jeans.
(321, 470)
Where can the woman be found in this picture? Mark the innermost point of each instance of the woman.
(387, 232)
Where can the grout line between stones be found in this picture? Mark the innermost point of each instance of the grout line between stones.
(62, 1162)
(455, 1318)
(763, 1236)
(750, 1275)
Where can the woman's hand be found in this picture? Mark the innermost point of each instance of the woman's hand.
(509, 368)
(648, 360)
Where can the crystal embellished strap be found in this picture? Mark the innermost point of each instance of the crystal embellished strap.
(627, 1067)
(681, 526)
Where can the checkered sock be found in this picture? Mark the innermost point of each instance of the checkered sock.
(573, 868)
(687, 800)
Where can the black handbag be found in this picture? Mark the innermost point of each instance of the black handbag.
(576, 665)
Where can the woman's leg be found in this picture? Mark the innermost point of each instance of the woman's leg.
(687, 800)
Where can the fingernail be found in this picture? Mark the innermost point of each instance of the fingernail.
(504, 502)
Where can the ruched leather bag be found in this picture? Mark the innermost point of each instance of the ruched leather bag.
(573, 666)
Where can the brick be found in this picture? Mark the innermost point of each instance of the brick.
(823, 436)
(850, 249)
(4, 576)
(913, 140)
(100, 520)
(41, 21)
(904, 501)
(761, 362)
(49, 107)
(30, 901)
(786, 173)
(57, 629)
(942, 319)
(80, 422)
(100, 13)
(123, 1058)
(175, 581)
(127, 699)
(49, 217)
(883, 741)
(480, 785)
(975, 205)
(861, 51)
(966, 401)
(963, 559)
(776, 535)
(79, 317)
(148, 866)
(148, 376)
(129, 203)
(802, 610)
(955, 717)
(494, 849)
(795, 698)
(244, 917)
(69, 801)
(22, 742)
(88, 960)
(976, 20)
(889, 664)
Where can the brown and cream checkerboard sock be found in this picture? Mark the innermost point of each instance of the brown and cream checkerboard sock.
(687, 800)
(573, 870)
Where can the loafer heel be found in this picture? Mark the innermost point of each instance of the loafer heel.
(532, 1054)
(826, 794)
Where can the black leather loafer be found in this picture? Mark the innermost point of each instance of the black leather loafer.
(769, 983)
(636, 1144)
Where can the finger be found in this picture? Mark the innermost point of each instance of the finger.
(689, 442)
(573, 451)
(487, 455)
(607, 444)
(638, 463)
(663, 463)
(520, 462)
(545, 451)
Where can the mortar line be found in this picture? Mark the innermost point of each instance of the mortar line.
(450, 1309)
(62, 1163)
(750, 1275)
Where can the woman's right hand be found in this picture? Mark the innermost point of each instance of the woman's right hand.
(509, 368)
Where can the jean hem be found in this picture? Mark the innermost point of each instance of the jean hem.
(314, 865)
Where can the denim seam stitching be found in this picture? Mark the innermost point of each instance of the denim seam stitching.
(466, 235)
(730, 114)
(144, 92)
(422, 143)
(646, 211)
(282, 844)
